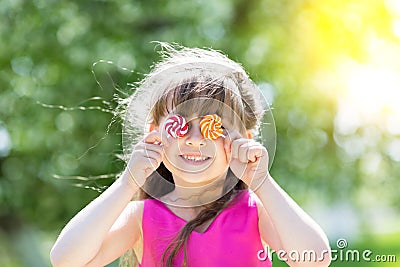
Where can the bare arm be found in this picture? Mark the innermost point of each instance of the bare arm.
(282, 223)
(287, 227)
(89, 232)
(110, 224)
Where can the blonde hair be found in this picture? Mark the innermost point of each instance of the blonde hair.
(185, 74)
(179, 66)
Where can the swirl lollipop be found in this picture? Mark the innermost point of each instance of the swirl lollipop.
(176, 126)
(211, 126)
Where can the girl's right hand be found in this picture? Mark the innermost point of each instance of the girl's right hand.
(146, 156)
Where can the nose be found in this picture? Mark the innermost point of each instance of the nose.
(194, 137)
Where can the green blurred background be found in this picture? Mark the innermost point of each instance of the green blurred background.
(331, 70)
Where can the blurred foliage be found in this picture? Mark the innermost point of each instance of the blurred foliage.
(330, 146)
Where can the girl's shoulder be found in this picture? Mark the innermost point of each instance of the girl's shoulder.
(247, 198)
(136, 207)
(255, 200)
(134, 213)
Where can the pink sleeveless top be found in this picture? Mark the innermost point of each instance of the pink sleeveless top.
(232, 239)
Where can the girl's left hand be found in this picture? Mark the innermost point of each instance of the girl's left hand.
(248, 159)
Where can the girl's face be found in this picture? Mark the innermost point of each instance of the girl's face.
(192, 159)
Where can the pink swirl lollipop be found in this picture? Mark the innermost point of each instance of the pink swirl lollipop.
(176, 126)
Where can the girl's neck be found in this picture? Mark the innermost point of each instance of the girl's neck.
(186, 195)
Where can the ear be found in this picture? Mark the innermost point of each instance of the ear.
(249, 134)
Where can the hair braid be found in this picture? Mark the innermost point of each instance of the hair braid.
(210, 212)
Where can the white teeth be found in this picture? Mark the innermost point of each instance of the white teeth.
(195, 158)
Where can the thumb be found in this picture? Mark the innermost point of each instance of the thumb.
(230, 136)
(152, 137)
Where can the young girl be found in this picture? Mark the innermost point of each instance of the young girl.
(204, 193)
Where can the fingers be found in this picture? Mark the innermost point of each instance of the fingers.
(149, 148)
(143, 154)
(152, 154)
(165, 136)
(235, 146)
(240, 148)
(153, 137)
(243, 150)
(230, 137)
(246, 150)
(233, 141)
(255, 152)
(146, 157)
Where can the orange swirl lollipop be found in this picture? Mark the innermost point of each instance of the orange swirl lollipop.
(211, 126)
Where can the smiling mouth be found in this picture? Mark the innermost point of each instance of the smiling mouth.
(195, 158)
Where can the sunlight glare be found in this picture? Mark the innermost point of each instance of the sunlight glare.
(393, 6)
(374, 89)
(371, 96)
